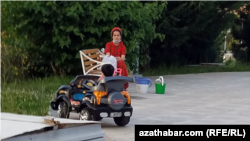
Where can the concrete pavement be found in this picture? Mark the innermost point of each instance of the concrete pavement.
(208, 98)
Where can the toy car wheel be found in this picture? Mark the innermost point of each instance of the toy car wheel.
(121, 121)
(63, 110)
(85, 114)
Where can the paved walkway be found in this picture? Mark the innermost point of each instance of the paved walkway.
(209, 98)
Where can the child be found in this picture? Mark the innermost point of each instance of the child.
(107, 70)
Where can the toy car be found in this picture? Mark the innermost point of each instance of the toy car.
(93, 100)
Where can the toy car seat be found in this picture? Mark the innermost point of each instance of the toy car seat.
(115, 83)
(77, 91)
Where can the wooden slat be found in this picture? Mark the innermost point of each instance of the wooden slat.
(89, 67)
(87, 63)
(96, 71)
(95, 56)
(90, 51)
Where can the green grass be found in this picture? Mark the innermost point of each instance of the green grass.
(32, 97)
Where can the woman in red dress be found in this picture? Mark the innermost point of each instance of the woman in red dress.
(117, 49)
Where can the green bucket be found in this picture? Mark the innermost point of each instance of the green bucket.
(160, 87)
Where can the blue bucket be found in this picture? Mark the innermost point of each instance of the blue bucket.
(142, 85)
(144, 81)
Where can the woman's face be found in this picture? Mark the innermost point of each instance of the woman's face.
(116, 35)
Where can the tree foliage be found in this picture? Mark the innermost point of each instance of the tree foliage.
(241, 33)
(13, 58)
(191, 31)
(58, 30)
(49, 35)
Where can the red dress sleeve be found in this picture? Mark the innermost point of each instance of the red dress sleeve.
(107, 48)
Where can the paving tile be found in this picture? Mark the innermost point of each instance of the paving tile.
(208, 98)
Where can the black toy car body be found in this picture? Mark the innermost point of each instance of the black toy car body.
(95, 100)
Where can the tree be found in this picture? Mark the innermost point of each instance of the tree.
(191, 30)
(241, 32)
(58, 30)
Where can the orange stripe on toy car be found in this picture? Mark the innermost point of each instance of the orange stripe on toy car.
(99, 95)
(126, 94)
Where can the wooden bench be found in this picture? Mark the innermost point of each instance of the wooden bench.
(91, 61)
